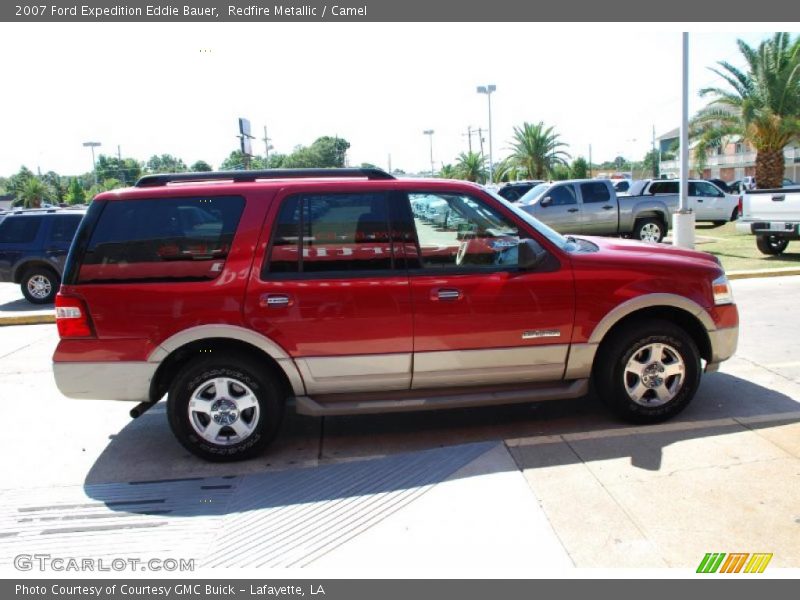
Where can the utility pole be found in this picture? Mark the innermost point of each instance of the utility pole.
(480, 139)
(390, 163)
(469, 134)
(121, 170)
(266, 141)
(93, 145)
(590, 162)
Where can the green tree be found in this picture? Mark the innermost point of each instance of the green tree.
(126, 170)
(761, 106)
(104, 186)
(579, 169)
(331, 151)
(33, 193)
(560, 172)
(448, 172)
(471, 166)
(75, 192)
(650, 163)
(536, 150)
(56, 187)
(16, 182)
(201, 166)
(166, 163)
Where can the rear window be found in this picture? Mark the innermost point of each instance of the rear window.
(163, 239)
(19, 230)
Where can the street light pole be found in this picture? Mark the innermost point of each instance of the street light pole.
(683, 220)
(93, 145)
(429, 133)
(488, 89)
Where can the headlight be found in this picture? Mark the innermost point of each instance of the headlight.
(721, 287)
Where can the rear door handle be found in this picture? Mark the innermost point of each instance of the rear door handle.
(607, 207)
(780, 198)
(572, 210)
(446, 294)
(275, 300)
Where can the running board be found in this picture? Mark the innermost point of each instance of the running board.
(307, 405)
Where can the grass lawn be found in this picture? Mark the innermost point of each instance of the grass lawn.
(738, 252)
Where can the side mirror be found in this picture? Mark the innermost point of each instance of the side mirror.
(546, 201)
(530, 254)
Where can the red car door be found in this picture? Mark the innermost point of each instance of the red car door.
(332, 292)
(478, 318)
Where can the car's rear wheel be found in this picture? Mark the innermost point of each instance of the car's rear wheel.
(649, 229)
(771, 245)
(648, 371)
(40, 285)
(226, 408)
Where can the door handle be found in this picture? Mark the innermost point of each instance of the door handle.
(607, 207)
(572, 210)
(275, 301)
(699, 199)
(780, 198)
(446, 294)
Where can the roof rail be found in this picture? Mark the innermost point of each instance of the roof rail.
(250, 176)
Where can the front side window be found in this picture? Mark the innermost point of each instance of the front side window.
(455, 230)
(19, 230)
(562, 195)
(332, 233)
(703, 188)
(161, 239)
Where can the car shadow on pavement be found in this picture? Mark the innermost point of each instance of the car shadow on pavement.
(392, 453)
(23, 305)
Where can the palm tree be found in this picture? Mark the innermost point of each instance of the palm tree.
(471, 166)
(762, 107)
(448, 172)
(536, 149)
(32, 193)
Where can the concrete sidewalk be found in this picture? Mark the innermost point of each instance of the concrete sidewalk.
(16, 310)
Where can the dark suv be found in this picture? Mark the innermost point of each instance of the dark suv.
(515, 190)
(33, 248)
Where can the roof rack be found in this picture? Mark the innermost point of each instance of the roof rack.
(250, 176)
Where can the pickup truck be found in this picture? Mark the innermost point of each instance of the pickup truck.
(706, 200)
(592, 207)
(773, 216)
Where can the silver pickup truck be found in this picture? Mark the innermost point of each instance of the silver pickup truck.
(773, 216)
(592, 207)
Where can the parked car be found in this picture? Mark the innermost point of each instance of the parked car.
(773, 216)
(708, 202)
(622, 186)
(514, 190)
(722, 185)
(366, 308)
(591, 206)
(33, 249)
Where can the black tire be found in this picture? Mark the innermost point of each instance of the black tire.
(627, 344)
(40, 285)
(735, 214)
(719, 223)
(771, 245)
(649, 229)
(266, 418)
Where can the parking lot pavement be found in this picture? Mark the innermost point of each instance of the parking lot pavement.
(16, 310)
(562, 482)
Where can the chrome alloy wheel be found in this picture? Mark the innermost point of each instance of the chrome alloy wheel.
(650, 232)
(223, 411)
(654, 375)
(39, 287)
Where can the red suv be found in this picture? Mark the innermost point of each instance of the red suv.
(349, 291)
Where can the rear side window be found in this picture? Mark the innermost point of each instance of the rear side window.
(595, 192)
(19, 230)
(331, 233)
(163, 239)
(664, 187)
(63, 228)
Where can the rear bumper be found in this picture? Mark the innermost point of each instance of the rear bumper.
(782, 229)
(723, 346)
(105, 380)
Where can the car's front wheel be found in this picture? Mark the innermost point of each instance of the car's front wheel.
(40, 285)
(648, 371)
(225, 408)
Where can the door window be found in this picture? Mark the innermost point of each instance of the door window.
(562, 195)
(595, 191)
(341, 234)
(703, 188)
(458, 231)
(19, 230)
(63, 228)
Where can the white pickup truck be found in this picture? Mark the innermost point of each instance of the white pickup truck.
(773, 216)
(707, 201)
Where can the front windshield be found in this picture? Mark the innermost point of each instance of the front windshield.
(532, 194)
(565, 243)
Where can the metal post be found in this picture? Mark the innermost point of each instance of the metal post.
(93, 145)
(491, 165)
(429, 133)
(683, 220)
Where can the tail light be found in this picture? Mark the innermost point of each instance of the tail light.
(72, 317)
(740, 207)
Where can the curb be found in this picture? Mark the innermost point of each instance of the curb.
(759, 273)
(27, 319)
